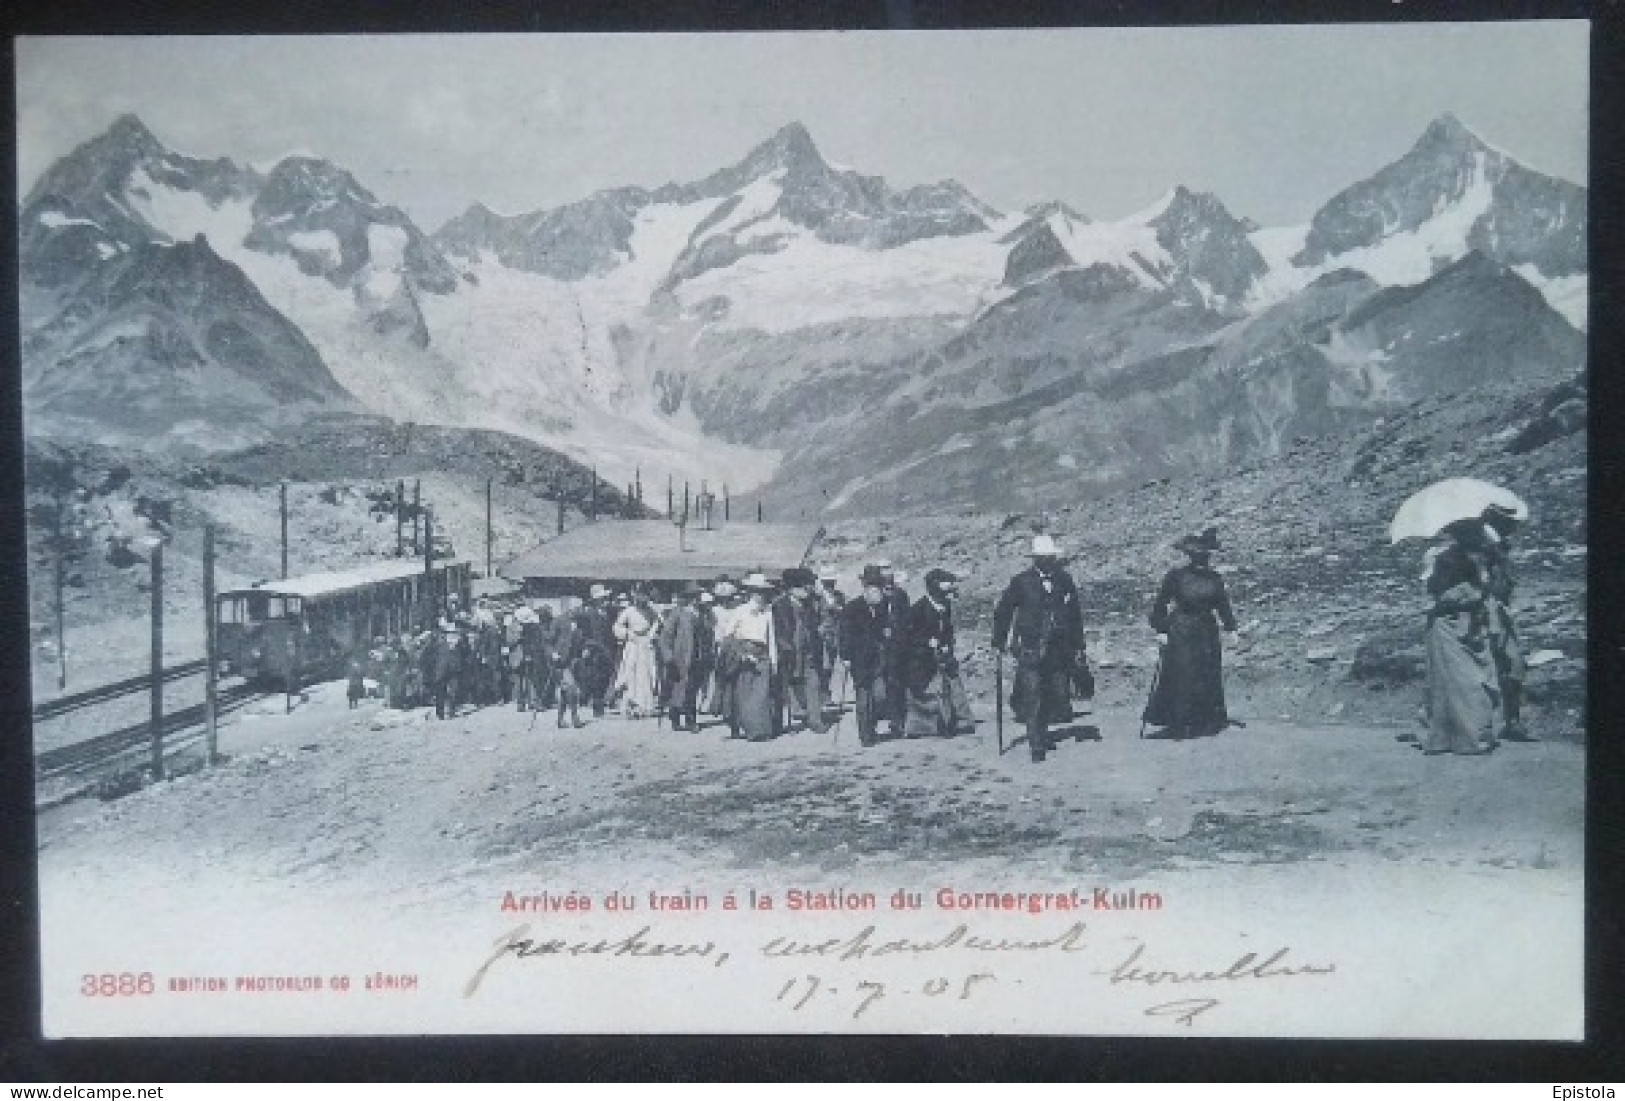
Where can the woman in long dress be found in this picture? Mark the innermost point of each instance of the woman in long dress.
(750, 644)
(635, 680)
(1188, 699)
(1463, 702)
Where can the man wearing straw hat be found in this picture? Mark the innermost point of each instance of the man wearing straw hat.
(1039, 620)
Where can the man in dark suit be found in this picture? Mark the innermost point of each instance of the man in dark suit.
(865, 647)
(795, 633)
(897, 606)
(1038, 619)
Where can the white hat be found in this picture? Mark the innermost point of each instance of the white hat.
(726, 588)
(900, 576)
(883, 563)
(757, 582)
(598, 592)
(828, 575)
(526, 614)
(1044, 547)
(705, 598)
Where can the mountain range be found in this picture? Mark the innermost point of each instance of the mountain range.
(787, 324)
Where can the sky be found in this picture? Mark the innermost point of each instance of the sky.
(1274, 120)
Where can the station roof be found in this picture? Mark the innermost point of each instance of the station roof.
(336, 583)
(647, 550)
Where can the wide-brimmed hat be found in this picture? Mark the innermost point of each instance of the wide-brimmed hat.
(757, 582)
(829, 575)
(899, 576)
(939, 577)
(597, 592)
(690, 590)
(726, 588)
(799, 576)
(705, 598)
(872, 575)
(1044, 546)
(1500, 518)
(526, 614)
(1208, 540)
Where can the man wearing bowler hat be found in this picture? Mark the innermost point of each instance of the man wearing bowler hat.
(866, 649)
(1038, 619)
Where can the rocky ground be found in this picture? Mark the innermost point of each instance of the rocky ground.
(1331, 612)
(326, 794)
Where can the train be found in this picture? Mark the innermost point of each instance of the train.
(301, 629)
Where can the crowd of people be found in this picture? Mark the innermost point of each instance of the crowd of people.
(763, 656)
(768, 657)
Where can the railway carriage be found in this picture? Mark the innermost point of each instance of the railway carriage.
(303, 628)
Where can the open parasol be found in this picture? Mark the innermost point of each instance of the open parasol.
(1429, 511)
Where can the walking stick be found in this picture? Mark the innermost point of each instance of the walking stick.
(1155, 677)
(998, 700)
(840, 712)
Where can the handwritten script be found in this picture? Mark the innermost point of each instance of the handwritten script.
(1139, 969)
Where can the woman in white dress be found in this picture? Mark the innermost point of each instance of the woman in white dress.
(636, 629)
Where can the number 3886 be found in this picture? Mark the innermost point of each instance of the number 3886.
(121, 985)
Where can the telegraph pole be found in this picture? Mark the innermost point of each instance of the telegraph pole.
(428, 567)
(417, 511)
(592, 509)
(724, 502)
(561, 513)
(157, 663)
(488, 536)
(211, 643)
(400, 517)
(284, 531)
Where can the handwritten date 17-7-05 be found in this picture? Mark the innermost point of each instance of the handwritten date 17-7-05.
(797, 992)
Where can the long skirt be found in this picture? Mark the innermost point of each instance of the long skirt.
(755, 704)
(1189, 694)
(636, 677)
(940, 710)
(1463, 703)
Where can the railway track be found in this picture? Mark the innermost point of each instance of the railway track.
(182, 729)
(63, 705)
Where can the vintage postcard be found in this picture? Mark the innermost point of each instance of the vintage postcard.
(1061, 532)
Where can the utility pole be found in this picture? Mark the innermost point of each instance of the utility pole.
(431, 613)
(758, 512)
(157, 663)
(561, 513)
(637, 482)
(685, 501)
(724, 502)
(671, 505)
(400, 518)
(488, 536)
(417, 512)
(284, 531)
(592, 509)
(211, 655)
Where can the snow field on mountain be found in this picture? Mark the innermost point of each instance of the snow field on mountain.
(810, 282)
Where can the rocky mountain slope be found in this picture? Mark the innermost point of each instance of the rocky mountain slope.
(783, 315)
(1332, 613)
